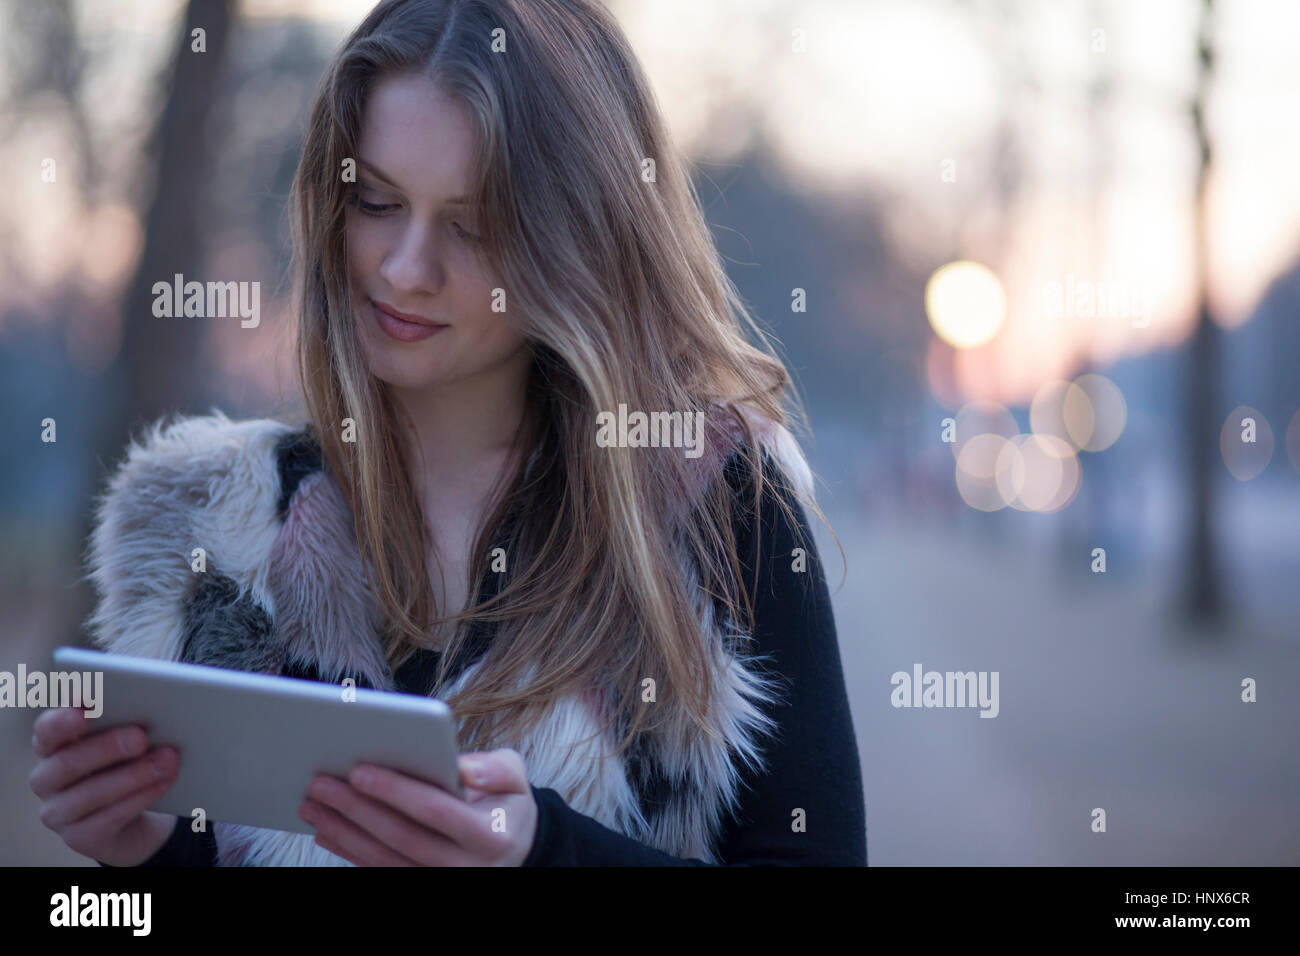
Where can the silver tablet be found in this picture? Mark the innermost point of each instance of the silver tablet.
(250, 744)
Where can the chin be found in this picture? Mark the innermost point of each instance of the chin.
(399, 375)
(400, 368)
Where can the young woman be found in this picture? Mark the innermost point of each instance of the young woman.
(546, 477)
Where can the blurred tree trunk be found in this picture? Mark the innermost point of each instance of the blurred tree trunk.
(1202, 602)
(154, 371)
(158, 355)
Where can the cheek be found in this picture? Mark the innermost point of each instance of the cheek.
(477, 285)
(498, 332)
(502, 342)
(361, 252)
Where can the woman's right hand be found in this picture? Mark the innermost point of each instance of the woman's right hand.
(96, 786)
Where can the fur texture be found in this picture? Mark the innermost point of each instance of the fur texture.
(284, 592)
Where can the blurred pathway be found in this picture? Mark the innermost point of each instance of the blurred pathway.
(1103, 704)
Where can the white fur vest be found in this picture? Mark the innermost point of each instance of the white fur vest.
(284, 588)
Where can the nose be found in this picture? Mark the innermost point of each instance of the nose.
(412, 265)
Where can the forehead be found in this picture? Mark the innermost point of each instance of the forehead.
(420, 137)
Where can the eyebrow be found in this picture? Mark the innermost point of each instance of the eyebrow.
(380, 174)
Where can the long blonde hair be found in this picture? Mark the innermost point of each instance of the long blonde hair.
(616, 285)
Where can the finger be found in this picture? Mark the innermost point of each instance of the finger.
(91, 831)
(56, 727)
(386, 824)
(429, 806)
(353, 842)
(76, 760)
(334, 848)
(497, 771)
(107, 787)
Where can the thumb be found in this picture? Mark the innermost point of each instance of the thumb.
(493, 771)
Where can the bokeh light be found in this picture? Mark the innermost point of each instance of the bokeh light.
(977, 472)
(965, 303)
(1039, 473)
(1107, 413)
(1063, 411)
(1246, 442)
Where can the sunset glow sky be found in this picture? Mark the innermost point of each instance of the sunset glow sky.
(883, 95)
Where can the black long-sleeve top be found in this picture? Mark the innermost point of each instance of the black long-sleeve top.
(811, 763)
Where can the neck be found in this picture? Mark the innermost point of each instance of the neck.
(454, 432)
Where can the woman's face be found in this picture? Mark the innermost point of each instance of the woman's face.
(412, 245)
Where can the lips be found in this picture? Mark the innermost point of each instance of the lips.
(405, 316)
(396, 325)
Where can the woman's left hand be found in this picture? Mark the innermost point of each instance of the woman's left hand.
(379, 817)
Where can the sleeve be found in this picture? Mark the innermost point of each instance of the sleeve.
(183, 848)
(807, 807)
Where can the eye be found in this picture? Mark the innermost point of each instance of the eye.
(468, 237)
(374, 209)
(369, 208)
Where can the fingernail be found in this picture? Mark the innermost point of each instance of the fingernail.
(160, 762)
